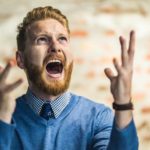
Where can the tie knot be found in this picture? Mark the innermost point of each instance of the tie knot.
(46, 111)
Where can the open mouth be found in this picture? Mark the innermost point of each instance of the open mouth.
(54, 68)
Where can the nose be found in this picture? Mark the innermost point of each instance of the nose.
(55, 50)
(54, 47)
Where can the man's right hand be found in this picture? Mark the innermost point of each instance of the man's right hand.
(7, 103)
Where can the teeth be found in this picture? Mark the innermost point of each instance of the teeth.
(51, 61)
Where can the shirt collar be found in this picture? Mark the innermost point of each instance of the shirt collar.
(58, 105)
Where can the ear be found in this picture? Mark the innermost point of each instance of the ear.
(20, 59)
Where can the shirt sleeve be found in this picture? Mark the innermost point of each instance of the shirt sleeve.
(108, 137)
(104, 121)
(6, 135)
(124, 139)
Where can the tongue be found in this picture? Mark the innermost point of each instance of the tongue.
(53, 72)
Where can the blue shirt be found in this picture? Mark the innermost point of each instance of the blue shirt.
(82, 125)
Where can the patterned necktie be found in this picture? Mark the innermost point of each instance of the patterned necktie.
(46, 111)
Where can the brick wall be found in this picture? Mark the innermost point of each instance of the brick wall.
(95, 28)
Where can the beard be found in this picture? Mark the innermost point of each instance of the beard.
(39, 79)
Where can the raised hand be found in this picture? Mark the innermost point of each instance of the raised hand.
(7, 103)
(121, 83)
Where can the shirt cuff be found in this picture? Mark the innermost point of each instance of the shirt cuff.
(123, 139)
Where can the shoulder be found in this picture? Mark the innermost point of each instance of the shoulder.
(21, 105)
(98, 114)
(84, 103)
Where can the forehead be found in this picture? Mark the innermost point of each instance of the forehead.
(47, 26)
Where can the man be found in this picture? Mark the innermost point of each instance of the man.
(48, 117)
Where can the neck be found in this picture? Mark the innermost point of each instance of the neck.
(42, 95)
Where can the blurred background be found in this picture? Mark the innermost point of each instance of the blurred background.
(95, 27)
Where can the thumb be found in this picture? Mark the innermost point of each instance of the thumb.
(109, 73)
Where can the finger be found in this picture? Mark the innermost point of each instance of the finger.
(1, 69)
(117, 66)
(109, 73)
(13, 86)
(5, 72)
(131, 46)
(124, 54)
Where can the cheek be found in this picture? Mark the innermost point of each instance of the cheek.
(69, 55)
(36, 57)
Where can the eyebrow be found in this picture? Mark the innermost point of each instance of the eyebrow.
(36, 35)
(61, 34)
(47, 34)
